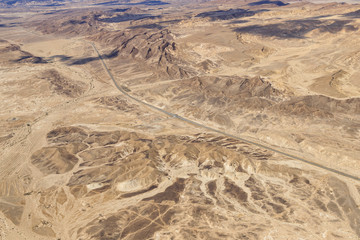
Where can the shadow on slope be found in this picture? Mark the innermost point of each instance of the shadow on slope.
(277, 3)
(355, 14)
(227, 14)
(81, 61)
(147, 26)
(127, 17)
(297, 28)
(147, 3)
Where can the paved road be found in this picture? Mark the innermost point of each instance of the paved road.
(218, 131)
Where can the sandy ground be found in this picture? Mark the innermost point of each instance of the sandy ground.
(80, 160)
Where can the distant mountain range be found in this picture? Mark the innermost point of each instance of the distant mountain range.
(61, 2)
(26, 2)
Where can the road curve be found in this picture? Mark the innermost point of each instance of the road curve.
(216, 130)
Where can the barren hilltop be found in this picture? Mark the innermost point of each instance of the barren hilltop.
(179, 119)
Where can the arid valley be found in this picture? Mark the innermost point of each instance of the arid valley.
(194, 119)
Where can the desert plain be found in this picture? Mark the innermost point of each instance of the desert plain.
(179, 120)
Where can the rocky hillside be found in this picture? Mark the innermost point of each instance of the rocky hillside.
(154, 48)
(170, 185)
(12, 53)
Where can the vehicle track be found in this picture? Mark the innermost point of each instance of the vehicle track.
(218, 131)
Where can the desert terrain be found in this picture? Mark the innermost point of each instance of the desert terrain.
(177, 119)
